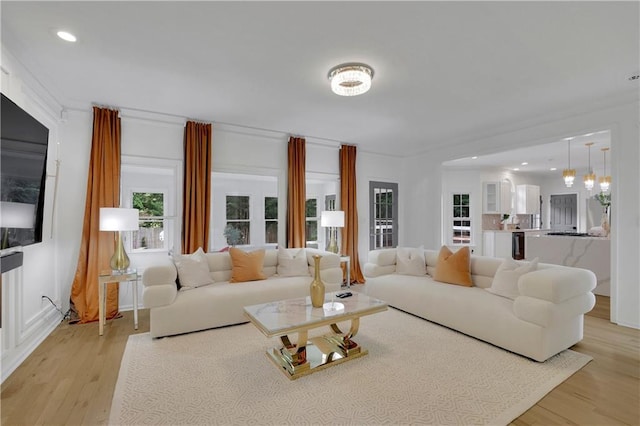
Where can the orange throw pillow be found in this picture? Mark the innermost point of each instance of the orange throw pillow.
(246, 266)
(454, 268)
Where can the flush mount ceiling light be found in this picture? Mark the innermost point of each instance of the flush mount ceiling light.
(350, 79)
(66, 36)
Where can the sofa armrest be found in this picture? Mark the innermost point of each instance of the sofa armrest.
(372, 270)
(557, 284)
(545, 313)
(382, 257)
(159, 283)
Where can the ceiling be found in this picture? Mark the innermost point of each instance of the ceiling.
(542, 158)
(443, 70)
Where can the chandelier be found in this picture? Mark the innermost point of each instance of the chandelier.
(350, 79)
(569, 174)
(590, 177)
(605, 180)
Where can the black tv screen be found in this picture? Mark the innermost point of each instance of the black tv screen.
(23, 172)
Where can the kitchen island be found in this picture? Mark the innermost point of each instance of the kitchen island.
(593, 253)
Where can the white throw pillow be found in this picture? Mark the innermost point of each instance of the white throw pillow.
(292, 264)
(505, 282)
(411, 261)
(193, 269)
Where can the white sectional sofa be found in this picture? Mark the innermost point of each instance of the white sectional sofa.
(544, 318)
(175, 311)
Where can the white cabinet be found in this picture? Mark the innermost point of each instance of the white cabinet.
(527, 199)
(496, 197)
(496, 244)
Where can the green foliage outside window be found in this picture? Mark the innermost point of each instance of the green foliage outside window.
(151, 205)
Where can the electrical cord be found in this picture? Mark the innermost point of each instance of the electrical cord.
(65, 316)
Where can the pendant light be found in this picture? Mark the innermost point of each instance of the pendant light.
(605, 180)
(590, 177)
(569, 174)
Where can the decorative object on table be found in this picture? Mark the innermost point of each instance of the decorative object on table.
(590, 177)
(350, 79)
(569, 174)
(233, 235)
(604, 199)
(605, 180)
(15, 216)
(317, 286)
(119, 220)
(332, 220)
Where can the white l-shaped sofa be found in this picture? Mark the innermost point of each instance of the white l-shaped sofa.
(545, 319)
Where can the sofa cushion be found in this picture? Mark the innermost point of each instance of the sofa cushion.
(505, 282)
(453, 268)
(410, 261)
(292, 262)
(246, 266)
(193, 269)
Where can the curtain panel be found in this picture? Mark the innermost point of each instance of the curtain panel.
(348, 203)
(296, 193)
(96, 248)
(197, 186)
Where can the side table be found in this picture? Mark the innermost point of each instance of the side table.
(347, 260)
(109, 276)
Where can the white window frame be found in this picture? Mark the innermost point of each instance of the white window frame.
(265, 220)
(452, 219)
(318, 241)
(167, 221)
(249, 220)
(172, 195)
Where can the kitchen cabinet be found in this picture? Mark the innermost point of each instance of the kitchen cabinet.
(496, 244)
(496, 197)
(527, 199)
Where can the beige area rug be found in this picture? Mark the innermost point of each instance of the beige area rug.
(416, 372)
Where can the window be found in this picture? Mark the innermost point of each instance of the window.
(383, 214)
(151, 235)
(311, 231)
(271, 220)
(238, 219)
(461, 219)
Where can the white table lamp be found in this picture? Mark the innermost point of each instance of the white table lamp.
(119, 219)
(332, 220)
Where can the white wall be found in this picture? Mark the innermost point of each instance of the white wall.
(423, 175)
(26, 318)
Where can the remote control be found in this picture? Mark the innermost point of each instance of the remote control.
(343, 295)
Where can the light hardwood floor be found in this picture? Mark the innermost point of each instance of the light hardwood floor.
(70, 378)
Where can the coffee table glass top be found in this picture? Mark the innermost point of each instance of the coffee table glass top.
(288, 316)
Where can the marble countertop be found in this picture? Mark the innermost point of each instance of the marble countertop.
(544, 235)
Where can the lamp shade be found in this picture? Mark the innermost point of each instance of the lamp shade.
(117, 219)
(332, 219)
(16, 215)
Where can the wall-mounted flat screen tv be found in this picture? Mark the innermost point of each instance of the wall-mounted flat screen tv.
(23, 172)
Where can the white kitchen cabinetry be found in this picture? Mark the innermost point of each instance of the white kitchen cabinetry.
(496, 197)
(496, 244)
(527, 199)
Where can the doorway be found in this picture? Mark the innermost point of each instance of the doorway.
(564, 212)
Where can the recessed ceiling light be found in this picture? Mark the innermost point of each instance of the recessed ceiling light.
(350, 79)
(66, 36)
(474, 158)
(524, 163)
(553, 169)
(516, 169)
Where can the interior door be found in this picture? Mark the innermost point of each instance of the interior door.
(383, 215)
(564, 213)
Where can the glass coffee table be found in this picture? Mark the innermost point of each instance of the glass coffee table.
(308, 355)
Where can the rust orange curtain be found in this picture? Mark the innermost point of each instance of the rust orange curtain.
(348, 203)
(103, 190)
(197, 186)
(296, 193)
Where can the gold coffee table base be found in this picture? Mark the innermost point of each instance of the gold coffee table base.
(321, 352)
